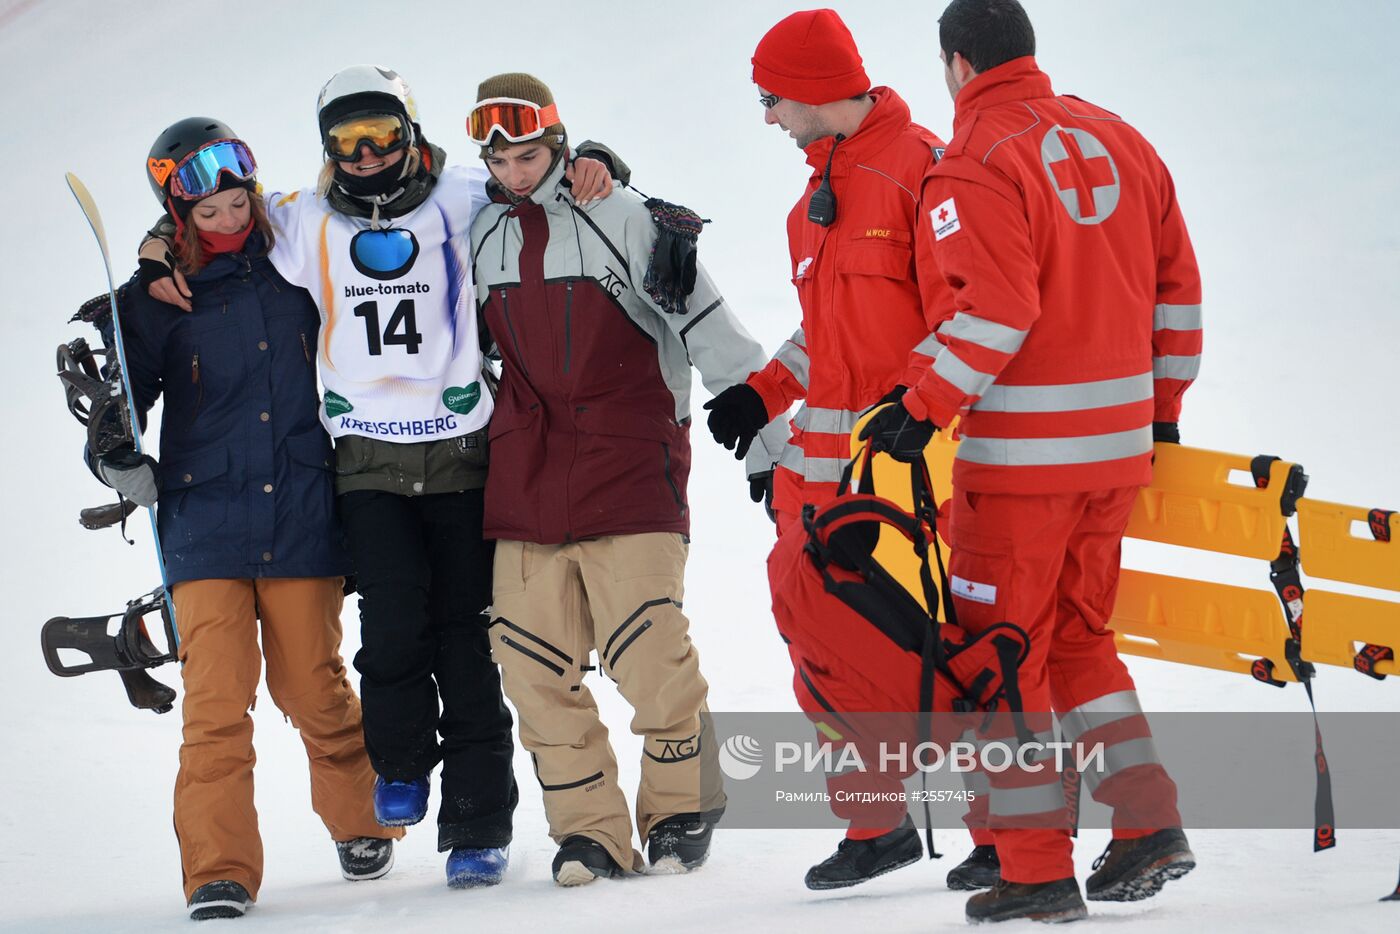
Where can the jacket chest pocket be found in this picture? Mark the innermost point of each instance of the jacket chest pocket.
(293, 334)
(888, 257)
(204, 367)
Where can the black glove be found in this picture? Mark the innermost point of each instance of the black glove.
(761, 491)
(671, 273)
(1166, 432)
(897, 433)
(130, 474)
(894, 395)
(736, 417)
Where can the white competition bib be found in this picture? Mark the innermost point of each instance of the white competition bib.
(400, 359)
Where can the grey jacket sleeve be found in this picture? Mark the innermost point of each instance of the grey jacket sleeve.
(717, 343)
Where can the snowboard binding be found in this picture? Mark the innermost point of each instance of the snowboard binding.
(125, 646)
(94, 395)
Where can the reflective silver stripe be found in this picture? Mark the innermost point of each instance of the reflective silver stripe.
(1034, 799)
(1176, 367)
(982, 332)
(1121, 756)
(793, 356)
(1101, 710)
(792, 458)
(823, 469)
(812, 469)
(969, 381)
(826, 421)
(1176, 318)
(1069, 397)
(929, 346)
(1041, 452)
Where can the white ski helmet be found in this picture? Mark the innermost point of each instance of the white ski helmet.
(365, 89)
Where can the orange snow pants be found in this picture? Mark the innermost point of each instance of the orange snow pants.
(215, 820)
(1049, 563)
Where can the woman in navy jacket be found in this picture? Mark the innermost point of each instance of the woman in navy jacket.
(246, 520)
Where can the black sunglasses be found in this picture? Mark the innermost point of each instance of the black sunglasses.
(769, 101)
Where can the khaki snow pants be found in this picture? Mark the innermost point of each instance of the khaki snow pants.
(619, 596)
(215, 820)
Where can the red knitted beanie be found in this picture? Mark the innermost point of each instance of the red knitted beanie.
(810, 57)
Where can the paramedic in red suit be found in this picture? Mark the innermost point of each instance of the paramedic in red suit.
(870, 292)
(1077, 329)
(871, 297)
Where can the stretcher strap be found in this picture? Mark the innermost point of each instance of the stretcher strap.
(932, 650)
(1288, 583)
(1366, 659)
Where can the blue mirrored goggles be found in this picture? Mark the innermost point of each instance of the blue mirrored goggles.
(198, 174)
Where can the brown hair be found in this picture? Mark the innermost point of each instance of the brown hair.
(189, 253)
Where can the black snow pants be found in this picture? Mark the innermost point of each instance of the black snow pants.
(424, 577)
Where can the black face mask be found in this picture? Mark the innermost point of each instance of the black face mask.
(365, 186)
(821, 207)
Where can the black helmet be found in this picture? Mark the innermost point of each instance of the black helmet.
(180, 140)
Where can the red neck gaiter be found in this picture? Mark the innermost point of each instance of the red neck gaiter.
(215, 243)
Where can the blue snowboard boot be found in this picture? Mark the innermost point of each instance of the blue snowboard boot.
(470, 867)
(399, 804)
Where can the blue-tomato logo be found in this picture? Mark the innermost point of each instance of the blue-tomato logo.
(384, 254)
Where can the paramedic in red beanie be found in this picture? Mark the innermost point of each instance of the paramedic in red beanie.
(871, 297)
(1078, 329)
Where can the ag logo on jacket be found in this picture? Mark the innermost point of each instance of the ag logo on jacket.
(1082, 173)
(384, 254)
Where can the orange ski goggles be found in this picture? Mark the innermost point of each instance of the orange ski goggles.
(383, 133)
(515, 120)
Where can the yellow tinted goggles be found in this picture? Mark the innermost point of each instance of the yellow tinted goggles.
(383, 133)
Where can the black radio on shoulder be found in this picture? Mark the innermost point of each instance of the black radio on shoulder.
(821, 207)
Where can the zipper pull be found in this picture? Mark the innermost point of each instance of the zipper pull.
(306, 351)
(194, 368)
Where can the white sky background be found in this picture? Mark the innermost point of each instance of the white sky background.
(1278, 121)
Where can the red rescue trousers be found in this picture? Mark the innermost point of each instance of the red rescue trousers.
(1049, 563)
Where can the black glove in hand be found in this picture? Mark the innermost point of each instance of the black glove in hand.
(1166, 432)
(736, 417)
(894, 395)
(761, 491)
(130, 474)
(897, 433)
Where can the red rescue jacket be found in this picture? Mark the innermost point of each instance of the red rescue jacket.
(870, 292)
(1078, 300)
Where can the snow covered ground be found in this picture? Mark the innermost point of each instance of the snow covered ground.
(1277, 120)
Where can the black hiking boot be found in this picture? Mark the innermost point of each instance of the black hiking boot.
(680, 843)
(1131, 870)
(980, 870)
(582, 859)
(1051, 902)
(857, 861)
(365, 857)
(222, 899)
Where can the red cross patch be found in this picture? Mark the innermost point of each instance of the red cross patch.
(945, 219)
